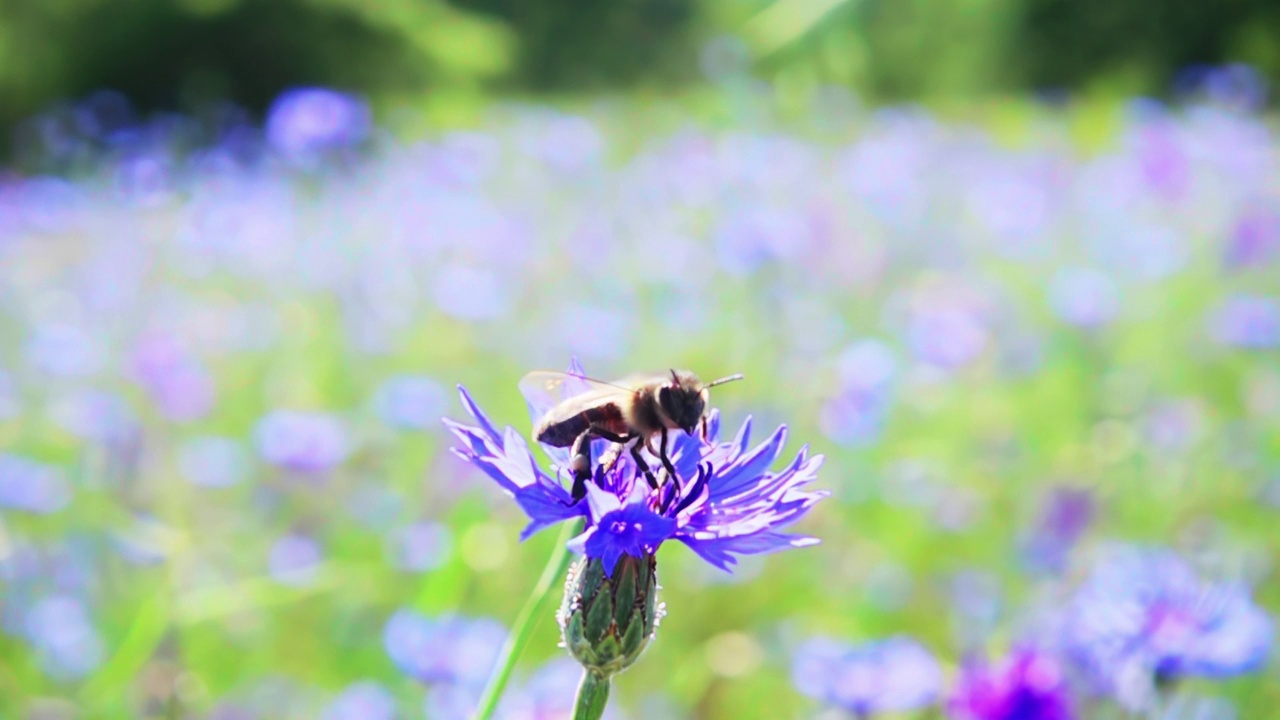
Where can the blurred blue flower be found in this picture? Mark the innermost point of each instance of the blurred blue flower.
(177, 382)
(32, 486)
(1084, 297)
(421, 546)
(363, 700)
(66, 350)
(725, 502)
(305, 122)
(471, 294)
(1255, 239)
(1026, 685)
(295, 559)
(893, 675)
(446, 650)
(96, 415)
(1065, 516)
(1247, 321)
(305, 442)
(409, 402)
(213, 462)
(856, 415)
(948, 337)
(1143, 616)
(64, 638)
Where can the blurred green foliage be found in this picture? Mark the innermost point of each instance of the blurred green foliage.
(185, 53)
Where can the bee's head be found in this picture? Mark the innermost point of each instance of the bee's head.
(684, 400)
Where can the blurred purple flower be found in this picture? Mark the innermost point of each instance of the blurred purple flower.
(893, 675)
(1026, 685)
(1255, 238)
(422, 546)
(1084, 297)
(306, 442)
(1174, 425)
(471, 294)
(363, 700)
(1143, 616)
(948, 337)
(305, 122)
(725, 501)
(32, 486)
(1065, 516)
(99, 416)
(857, 413)
(1247, 321)
(64, 638)
(65, 350)
(295, 559)
(409, 402)
(447, 650)
(213, 462)
(177, 382)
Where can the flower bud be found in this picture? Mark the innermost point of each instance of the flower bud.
(607, 621)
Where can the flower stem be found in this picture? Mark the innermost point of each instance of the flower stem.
(526, 622)
(593, 695)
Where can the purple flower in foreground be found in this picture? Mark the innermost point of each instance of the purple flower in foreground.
(725, 501)
(1144, 617)
(893, 675)
(1026, 685)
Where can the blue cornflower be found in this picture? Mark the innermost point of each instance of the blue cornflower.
(725, 501)
(1143, 616)
(892, 675)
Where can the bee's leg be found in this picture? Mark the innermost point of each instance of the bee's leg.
(666, 460)
(644, 466)
(580, 465)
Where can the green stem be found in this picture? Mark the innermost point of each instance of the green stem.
(593, 695)
(526, 622)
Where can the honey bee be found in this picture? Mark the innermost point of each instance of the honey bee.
(629, 412)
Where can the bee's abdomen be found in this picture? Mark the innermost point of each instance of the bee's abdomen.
(562, 433)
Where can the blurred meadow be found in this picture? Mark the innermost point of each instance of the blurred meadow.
(1012, 266)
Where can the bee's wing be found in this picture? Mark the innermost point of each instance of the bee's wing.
(566, 393)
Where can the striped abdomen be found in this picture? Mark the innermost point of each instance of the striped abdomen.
(562, 433)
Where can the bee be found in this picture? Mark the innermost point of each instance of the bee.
(630, 412)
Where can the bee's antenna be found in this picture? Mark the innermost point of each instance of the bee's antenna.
(723, 380)
(674, 377)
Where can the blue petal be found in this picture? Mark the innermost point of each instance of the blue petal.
(749, 468)
(546, 507)
(477, 413)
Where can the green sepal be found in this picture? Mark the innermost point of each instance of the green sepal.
(599, 617)
(624, 592)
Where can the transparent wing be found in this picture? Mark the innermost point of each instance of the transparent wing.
(566, 393)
